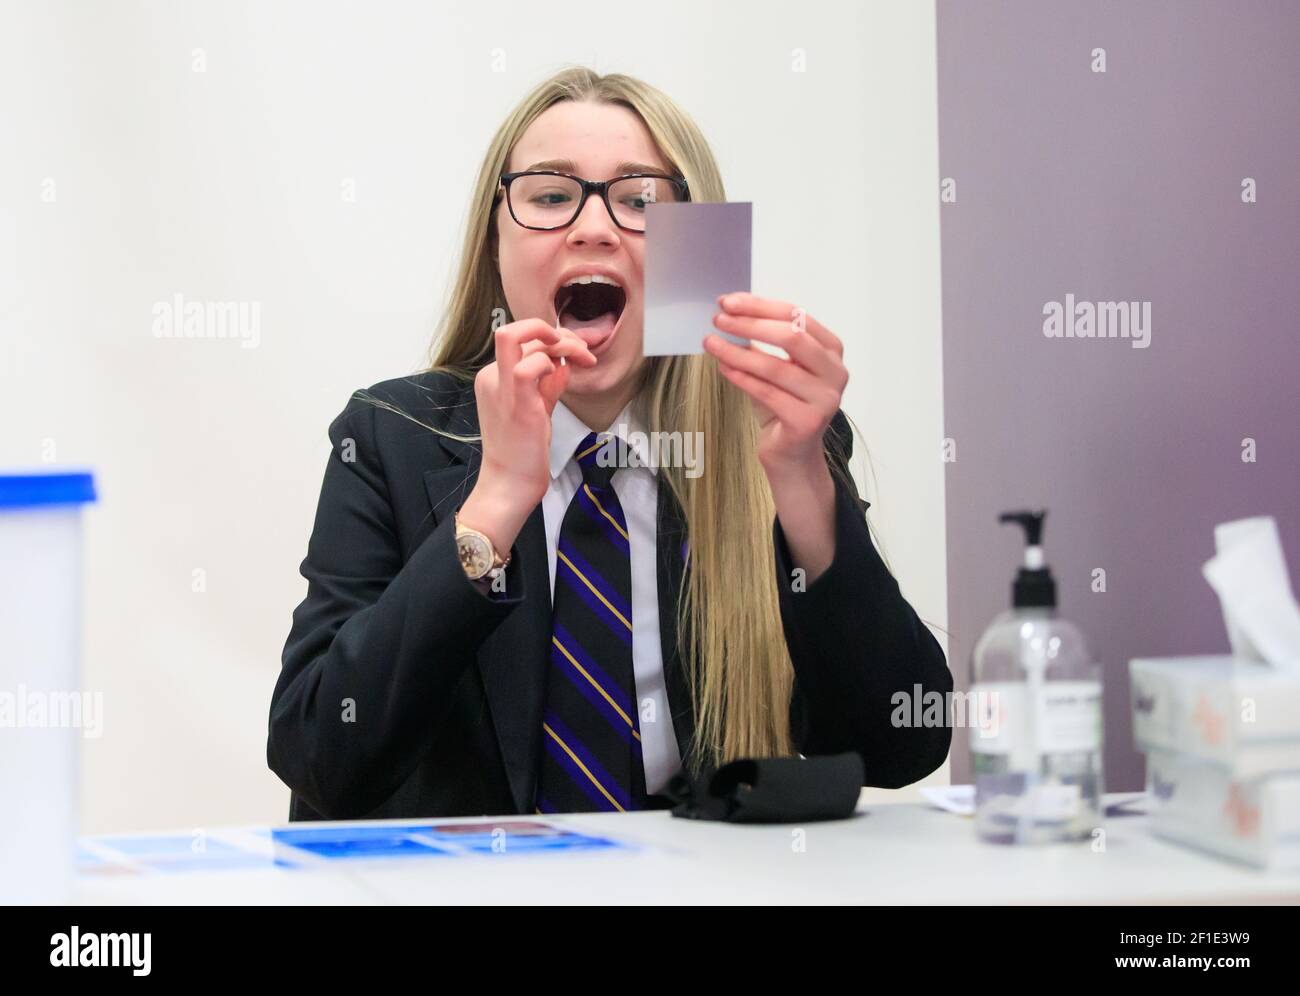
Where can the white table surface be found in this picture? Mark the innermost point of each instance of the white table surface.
(902, 853)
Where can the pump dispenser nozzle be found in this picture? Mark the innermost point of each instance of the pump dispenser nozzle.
(1031, 521)
(1034, 585)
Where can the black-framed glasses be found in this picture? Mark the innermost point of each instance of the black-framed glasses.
(544, 200)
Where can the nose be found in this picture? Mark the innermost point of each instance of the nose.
(593, 225)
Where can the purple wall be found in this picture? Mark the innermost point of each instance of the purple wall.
(1126, 186)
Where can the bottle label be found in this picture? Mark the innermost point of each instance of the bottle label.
(1069, 716)
(1066, 718)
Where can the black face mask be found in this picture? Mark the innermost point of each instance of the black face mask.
(771, 790)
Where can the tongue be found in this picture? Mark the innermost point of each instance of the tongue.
(592, 331)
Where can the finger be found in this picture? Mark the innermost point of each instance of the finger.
(570, 347)
(744, 303)
(533, 366)
(510, 340)
(783, 405)
(788, 376)
(802, 348)
(553, 385)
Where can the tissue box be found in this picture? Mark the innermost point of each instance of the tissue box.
(1254, 820)
(1240, 714)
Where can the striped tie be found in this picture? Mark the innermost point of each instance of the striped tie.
(591, 734)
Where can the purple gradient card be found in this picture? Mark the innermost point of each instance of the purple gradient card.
(693, 253)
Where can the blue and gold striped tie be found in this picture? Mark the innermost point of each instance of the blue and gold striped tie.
(591, 734)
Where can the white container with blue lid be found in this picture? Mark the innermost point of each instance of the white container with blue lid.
(45, 710)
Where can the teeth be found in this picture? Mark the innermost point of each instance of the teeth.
(593, 278)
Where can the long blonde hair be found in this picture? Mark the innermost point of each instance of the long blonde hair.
(729, 622)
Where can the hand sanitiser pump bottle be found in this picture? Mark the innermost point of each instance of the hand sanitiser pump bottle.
(1036, 742)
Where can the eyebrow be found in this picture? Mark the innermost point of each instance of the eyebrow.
(569, 166)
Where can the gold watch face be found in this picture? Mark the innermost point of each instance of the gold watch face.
(475, 555)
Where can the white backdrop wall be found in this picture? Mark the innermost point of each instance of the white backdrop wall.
(206, 149)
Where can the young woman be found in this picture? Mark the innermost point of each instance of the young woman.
(499, 621)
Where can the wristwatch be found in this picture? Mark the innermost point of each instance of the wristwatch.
(477, 554)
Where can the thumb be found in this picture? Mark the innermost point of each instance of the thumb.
(553, 384)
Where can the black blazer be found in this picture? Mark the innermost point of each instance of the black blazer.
(405, 691)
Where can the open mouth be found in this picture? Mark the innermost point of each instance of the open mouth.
(592, 310)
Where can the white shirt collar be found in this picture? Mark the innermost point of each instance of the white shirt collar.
(567, 431)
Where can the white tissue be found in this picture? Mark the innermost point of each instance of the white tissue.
(1259, 609)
